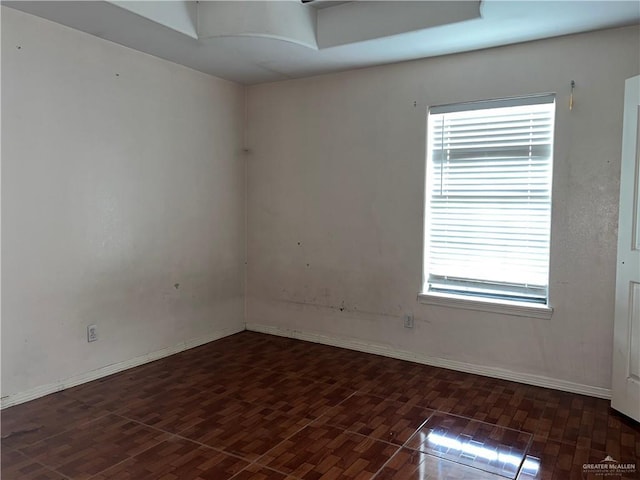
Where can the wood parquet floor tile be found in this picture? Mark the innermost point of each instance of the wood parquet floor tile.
(176, 459)
(409, 464)
(16, 465)
(304, 398)
(481, 445)
(258, 472)
(31, 422)
(387, 420)
(249, 434)
(323, 451)
(90, 448)
(257, 407)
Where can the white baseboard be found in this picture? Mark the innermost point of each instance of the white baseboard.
(352, 344)
(43, 390)
(495, 372)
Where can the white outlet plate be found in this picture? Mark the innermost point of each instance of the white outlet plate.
(408, 320)
(92, 333)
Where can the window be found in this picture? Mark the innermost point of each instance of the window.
(488, 200)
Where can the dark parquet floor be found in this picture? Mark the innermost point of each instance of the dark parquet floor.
(254, 406)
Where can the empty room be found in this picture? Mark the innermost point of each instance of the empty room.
(320, 240)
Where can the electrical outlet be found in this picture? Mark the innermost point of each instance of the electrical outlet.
(408, 320)
(92, 333)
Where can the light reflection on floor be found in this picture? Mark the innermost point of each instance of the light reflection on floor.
(477, 456)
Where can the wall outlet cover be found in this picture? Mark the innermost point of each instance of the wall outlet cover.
(92, 333)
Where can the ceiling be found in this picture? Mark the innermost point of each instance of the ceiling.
(260, 41)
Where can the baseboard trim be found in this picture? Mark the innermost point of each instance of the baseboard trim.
(43, 390)
(377, 349)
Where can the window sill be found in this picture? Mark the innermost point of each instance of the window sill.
(506, 307)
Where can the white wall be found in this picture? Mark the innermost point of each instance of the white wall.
(335, 206)
(121, 177)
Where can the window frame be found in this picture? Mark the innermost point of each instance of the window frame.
(479, 302)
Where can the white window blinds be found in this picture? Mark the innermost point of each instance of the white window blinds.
(488, 202)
